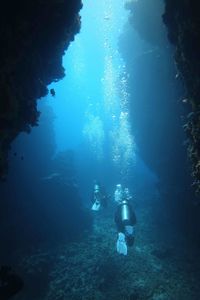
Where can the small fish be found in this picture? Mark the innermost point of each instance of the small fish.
(53, 93)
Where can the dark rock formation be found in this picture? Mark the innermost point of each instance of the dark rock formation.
(183, 22)
(156, 108)
(145, 18)
(33, 38)
(11, 283)
(91, 268)
(155, 93)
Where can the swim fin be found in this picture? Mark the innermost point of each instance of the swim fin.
(121, 244)
(96, 206)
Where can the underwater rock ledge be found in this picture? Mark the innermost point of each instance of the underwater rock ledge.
(182, 19)
(33, 37)
(154, 109)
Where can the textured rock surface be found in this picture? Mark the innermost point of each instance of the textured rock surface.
(33, 37)
(159, 266)
(183, 22)
(155, 106)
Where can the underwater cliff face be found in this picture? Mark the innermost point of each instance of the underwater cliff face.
(34, 36)
(158, 114)
(155, 107)
(50, 234)
(182, 19)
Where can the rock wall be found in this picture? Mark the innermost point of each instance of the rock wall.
(156, 95)
(183, 22)
(33, 36)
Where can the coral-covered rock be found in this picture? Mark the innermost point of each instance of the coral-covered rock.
(33, 37)
(154, 104)
(183, 22)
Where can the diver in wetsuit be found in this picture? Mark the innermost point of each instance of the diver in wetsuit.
(125, 220)
(118, 195)
(99, 198)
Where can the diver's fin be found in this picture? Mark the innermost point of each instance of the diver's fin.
(121, 244)
(96, 206)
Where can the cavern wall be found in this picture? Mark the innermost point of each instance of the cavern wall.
(156, 99)
(33, 37)
(182, 19)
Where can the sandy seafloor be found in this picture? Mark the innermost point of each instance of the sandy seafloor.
(160, 266)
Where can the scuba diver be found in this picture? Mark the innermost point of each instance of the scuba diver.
(125, 220)
(10, 283)
(99, 198)
(118, 196)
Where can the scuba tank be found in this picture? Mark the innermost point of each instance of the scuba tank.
(125, 212)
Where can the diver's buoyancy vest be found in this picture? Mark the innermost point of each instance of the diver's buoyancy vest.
(125, 212)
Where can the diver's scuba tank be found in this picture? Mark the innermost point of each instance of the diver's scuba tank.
(125, 211)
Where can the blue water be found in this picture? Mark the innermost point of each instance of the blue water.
(91, 103)
(89, 114)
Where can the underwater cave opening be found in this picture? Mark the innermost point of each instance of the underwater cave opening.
(91, 103)
(113, 118)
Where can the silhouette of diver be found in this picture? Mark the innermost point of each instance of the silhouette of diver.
(53, 93)
(10, 283)
(99, 198)
(125, 220)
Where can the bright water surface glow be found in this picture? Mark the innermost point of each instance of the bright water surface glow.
(92, 102)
